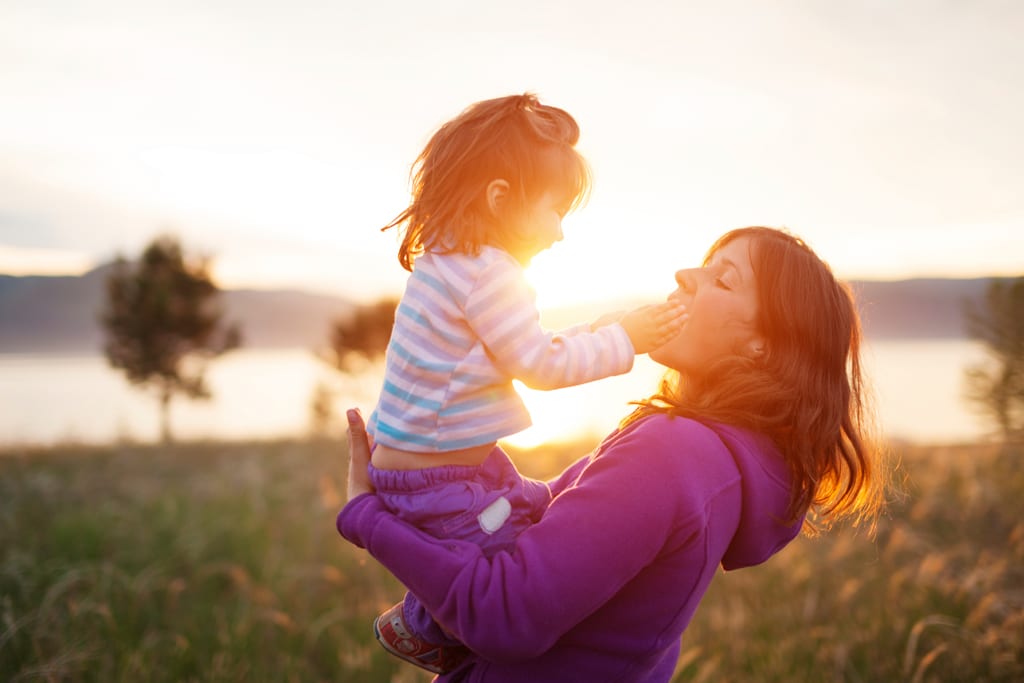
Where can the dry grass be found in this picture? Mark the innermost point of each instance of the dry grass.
(219, 562)
(938, 595)
(199, 562)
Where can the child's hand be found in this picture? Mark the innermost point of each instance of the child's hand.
(649, 327)
(607, 319)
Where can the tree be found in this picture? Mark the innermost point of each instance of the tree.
(354, 342)
(361, 337)
(997, 386)
(162, 323)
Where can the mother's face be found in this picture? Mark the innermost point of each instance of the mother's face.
(721, 302)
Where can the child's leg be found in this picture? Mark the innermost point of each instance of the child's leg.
(419, 622)
(394, 635)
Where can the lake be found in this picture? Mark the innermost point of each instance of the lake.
(266, 393)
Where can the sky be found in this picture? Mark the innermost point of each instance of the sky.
(276, 137)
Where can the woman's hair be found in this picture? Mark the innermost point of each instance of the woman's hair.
(806, 392)
(517, 139)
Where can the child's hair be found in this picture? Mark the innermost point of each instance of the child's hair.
(529, 145)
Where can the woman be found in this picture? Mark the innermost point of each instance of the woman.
(758, 424)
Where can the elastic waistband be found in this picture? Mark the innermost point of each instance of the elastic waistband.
(493, 468)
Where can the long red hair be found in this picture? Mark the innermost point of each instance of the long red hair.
(806, 392)
(531, 146)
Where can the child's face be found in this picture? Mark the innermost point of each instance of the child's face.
(541, 226)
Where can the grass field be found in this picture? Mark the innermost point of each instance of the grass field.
(220, 562)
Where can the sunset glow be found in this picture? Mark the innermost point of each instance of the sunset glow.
(879, 145)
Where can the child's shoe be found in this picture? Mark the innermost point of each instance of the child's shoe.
(390, 630)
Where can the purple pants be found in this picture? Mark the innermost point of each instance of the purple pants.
(489, 504)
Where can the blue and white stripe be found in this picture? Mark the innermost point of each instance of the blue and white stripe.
(465, 328)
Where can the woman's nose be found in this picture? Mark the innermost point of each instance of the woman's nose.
(687, 279)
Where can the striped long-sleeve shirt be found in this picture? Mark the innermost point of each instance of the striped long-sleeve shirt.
(465, 328)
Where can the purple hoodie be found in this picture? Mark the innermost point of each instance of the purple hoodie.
(602, 588)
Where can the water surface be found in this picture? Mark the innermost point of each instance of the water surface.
(266, 393)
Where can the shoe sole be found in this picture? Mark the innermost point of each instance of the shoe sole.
(401, 655)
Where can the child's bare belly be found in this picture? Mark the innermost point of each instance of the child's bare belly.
(386, 458)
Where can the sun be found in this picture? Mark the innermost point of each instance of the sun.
(550, 412)
(569, 275)
(602, 261)
(593, 409)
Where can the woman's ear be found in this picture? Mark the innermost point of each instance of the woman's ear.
(757, 348)
(497, 192)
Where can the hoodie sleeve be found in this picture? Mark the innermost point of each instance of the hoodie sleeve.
(620, 513)
(568, 477)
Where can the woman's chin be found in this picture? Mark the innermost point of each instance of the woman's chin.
(660, 357)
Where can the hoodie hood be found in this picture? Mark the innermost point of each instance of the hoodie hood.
(765, 479)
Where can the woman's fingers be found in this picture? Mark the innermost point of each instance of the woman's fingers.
(358, 455)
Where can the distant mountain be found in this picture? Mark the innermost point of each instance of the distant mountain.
(920, 308)
(50, 314)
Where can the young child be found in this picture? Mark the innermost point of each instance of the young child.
(490, 190)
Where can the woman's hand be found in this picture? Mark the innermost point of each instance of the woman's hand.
(358, 455)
